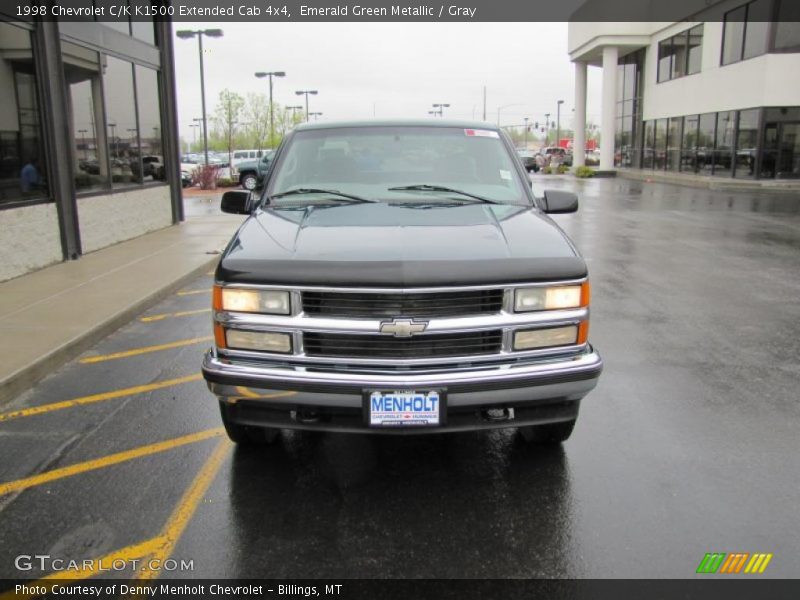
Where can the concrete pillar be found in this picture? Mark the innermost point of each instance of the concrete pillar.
(579, 143)
(608, 121)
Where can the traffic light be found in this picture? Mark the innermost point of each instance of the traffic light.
(536, 125)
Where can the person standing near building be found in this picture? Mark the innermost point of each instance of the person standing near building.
(30, 178)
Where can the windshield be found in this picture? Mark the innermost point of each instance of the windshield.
(426, 161)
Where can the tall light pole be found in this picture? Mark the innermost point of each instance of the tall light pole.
(186, 34)
(306, 92)
(441, 108)
(194, 127)
(271, 74)
(558, 121)
(315, 115)
(546, 128)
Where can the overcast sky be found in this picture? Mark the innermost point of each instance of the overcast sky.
(390, 69)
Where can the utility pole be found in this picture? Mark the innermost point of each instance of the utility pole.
(484, 104)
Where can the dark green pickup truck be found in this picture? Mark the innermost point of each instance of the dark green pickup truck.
(252, 172)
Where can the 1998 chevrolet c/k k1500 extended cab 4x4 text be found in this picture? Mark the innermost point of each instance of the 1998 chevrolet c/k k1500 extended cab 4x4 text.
(400, 277)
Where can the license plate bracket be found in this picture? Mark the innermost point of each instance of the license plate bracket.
(404, 408)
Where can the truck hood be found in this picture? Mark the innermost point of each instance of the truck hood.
(399, 245)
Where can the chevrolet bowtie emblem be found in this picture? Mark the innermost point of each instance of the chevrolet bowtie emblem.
(402, 327)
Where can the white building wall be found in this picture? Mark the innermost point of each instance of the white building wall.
(109, 219)
(765, 80)
(29, 238)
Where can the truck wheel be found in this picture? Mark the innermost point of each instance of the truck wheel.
(247, 435)
(553, 433)
(249, 181)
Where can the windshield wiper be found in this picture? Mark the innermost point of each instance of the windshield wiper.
(336, 193)
(424, 187)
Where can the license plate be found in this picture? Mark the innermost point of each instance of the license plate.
(404, 408)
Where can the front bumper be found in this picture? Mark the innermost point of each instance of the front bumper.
(288, 396)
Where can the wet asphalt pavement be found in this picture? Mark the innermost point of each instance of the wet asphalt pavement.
(690, 443)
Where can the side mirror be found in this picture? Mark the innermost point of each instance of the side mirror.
(556, 201)
(236, 202)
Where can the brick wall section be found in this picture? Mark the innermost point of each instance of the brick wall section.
(107, 220)
(29, 239)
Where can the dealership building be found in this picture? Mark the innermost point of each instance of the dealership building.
(716, 94)
(88, 120)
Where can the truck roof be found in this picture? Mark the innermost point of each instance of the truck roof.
(429, 122)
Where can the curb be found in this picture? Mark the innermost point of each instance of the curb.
(19, 382)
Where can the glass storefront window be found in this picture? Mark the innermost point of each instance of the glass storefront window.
(150, 124)
(733, 35)
(694, 49)
(747, 144)
(123, 138)
(689, 144)
(723, 154)
(82, 70)
(759, 14)
(705, 143)
(665, 51)
(648, 145)
(674, 135)
(660, 153)
(23, 174)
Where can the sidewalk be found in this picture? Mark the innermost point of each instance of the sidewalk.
(786, 186)
(54, 314)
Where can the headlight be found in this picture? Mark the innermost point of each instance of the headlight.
(551, 298)
(259, 340)
(255, 301)
(546, 338)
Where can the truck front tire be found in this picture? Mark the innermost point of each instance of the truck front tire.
(247, 435)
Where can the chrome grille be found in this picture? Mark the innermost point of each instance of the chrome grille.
(422, 346)
(398, 304)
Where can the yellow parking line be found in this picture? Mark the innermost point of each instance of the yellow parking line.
(106, 461)
(145, 350)
(192, 292)
(159, 547)
(183, 313)
(97, 566)
(138, 389)
(183, 512)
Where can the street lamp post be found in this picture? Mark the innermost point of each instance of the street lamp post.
(546, 129)
(271, 74)
(441, 107)
(186, 34)
(194, 127)
(306, 92)
(558, 121)
(315, 115)
(499, 108)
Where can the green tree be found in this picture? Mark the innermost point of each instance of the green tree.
(256, 113)
(227, 114)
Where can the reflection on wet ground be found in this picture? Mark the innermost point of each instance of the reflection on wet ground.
(688, 445)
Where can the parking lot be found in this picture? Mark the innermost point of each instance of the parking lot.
(688, 445)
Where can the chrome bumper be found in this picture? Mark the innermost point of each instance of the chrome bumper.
(562, 378)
